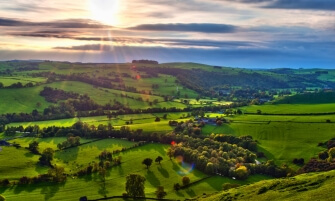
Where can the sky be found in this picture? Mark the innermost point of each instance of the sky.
(235, 33)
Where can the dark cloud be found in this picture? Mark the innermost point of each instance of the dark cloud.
(303, 4)
(192, 27)
(92, 47)
(69, 23)
(292, 4)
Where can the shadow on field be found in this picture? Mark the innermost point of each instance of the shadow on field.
(152, 179)
(190, 192)
(29, 155)
(103, 190)
(163, 171)
(49, 191)
(120, 169)
(67, 155)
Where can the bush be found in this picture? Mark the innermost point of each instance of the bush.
(185, 180)
(176, 186)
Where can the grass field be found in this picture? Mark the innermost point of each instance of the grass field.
(281, 141)
(43, 142)
(21, 100)
(15, 163)
(76, 158)
(290, 108)
(167, 174)
(7, 81)
(140, 121)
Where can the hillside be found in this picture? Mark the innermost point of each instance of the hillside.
(312, 186)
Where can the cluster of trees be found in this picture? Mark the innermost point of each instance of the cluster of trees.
(55, 174)
(144, 61)
(148, 161)
(211, 156)
(17, 85)
(54, 95)
(70, 142)
(325, 160)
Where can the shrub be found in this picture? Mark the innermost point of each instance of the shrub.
(176, 186)
(185, 180)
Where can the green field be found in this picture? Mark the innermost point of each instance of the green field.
(290, 108)
(15, 163)
(281, 138)
(166, 175)
(7, 81)
(21, 100)
(43, 142)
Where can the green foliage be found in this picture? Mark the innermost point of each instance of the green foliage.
(47, 156)
(241, 172)
(147, 162)
(33, 147)
(158, 159)
(57, 173)
(160, 193)
(135, 185)
(331, 154)
(2, 198)
(185, 180)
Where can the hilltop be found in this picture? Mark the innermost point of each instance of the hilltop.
(311, 186)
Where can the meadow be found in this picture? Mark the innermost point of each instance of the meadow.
(166, 174)
(281, 138)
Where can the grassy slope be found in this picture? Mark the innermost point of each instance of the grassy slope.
(43, 142)
(291, 137)
(313, 186)
(7, 81)
(21, 100)
(15, 163)
(167, 174)
(291, 108)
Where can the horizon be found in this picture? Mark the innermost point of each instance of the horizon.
(254, 34)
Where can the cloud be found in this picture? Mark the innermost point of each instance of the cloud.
(248, 58)
(292, 4)
(192, 27)
(303, 4)
(68, 23)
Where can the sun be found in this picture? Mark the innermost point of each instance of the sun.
(105, 11)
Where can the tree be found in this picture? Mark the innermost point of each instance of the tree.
(158, 159)
(170, 153)
(47, 156)
(135, 185)
(33, 147)
(160, 193)
(331, 154)
(186, 180)
(176, 186)
(147, 162)
(242, 172)
(57, 173)
(109, 115)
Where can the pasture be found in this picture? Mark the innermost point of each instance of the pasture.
(166, 174)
